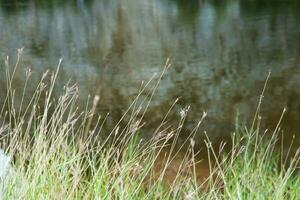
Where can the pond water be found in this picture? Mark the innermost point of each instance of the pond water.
(221, 52)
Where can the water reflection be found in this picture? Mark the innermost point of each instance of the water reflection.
(221, 50)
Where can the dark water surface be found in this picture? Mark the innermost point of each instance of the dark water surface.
(221, 53)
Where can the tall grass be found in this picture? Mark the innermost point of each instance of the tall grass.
(58, 153)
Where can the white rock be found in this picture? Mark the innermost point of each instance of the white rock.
(4, 166)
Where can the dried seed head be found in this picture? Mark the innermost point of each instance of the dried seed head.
(28, 72)
(192, 142)
(184, 111)
(96, 100)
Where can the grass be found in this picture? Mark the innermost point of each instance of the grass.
(58, 152)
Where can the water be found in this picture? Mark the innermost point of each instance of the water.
(221, 52)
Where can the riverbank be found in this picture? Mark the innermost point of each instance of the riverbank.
(56, 165)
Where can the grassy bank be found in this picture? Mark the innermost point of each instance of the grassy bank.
(57, 153)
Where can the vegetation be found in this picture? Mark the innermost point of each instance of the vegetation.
(58, 153)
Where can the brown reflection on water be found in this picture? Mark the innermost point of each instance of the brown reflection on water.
(180, 166)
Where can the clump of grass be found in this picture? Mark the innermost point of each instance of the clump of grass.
(57, 153)
(255, 168)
